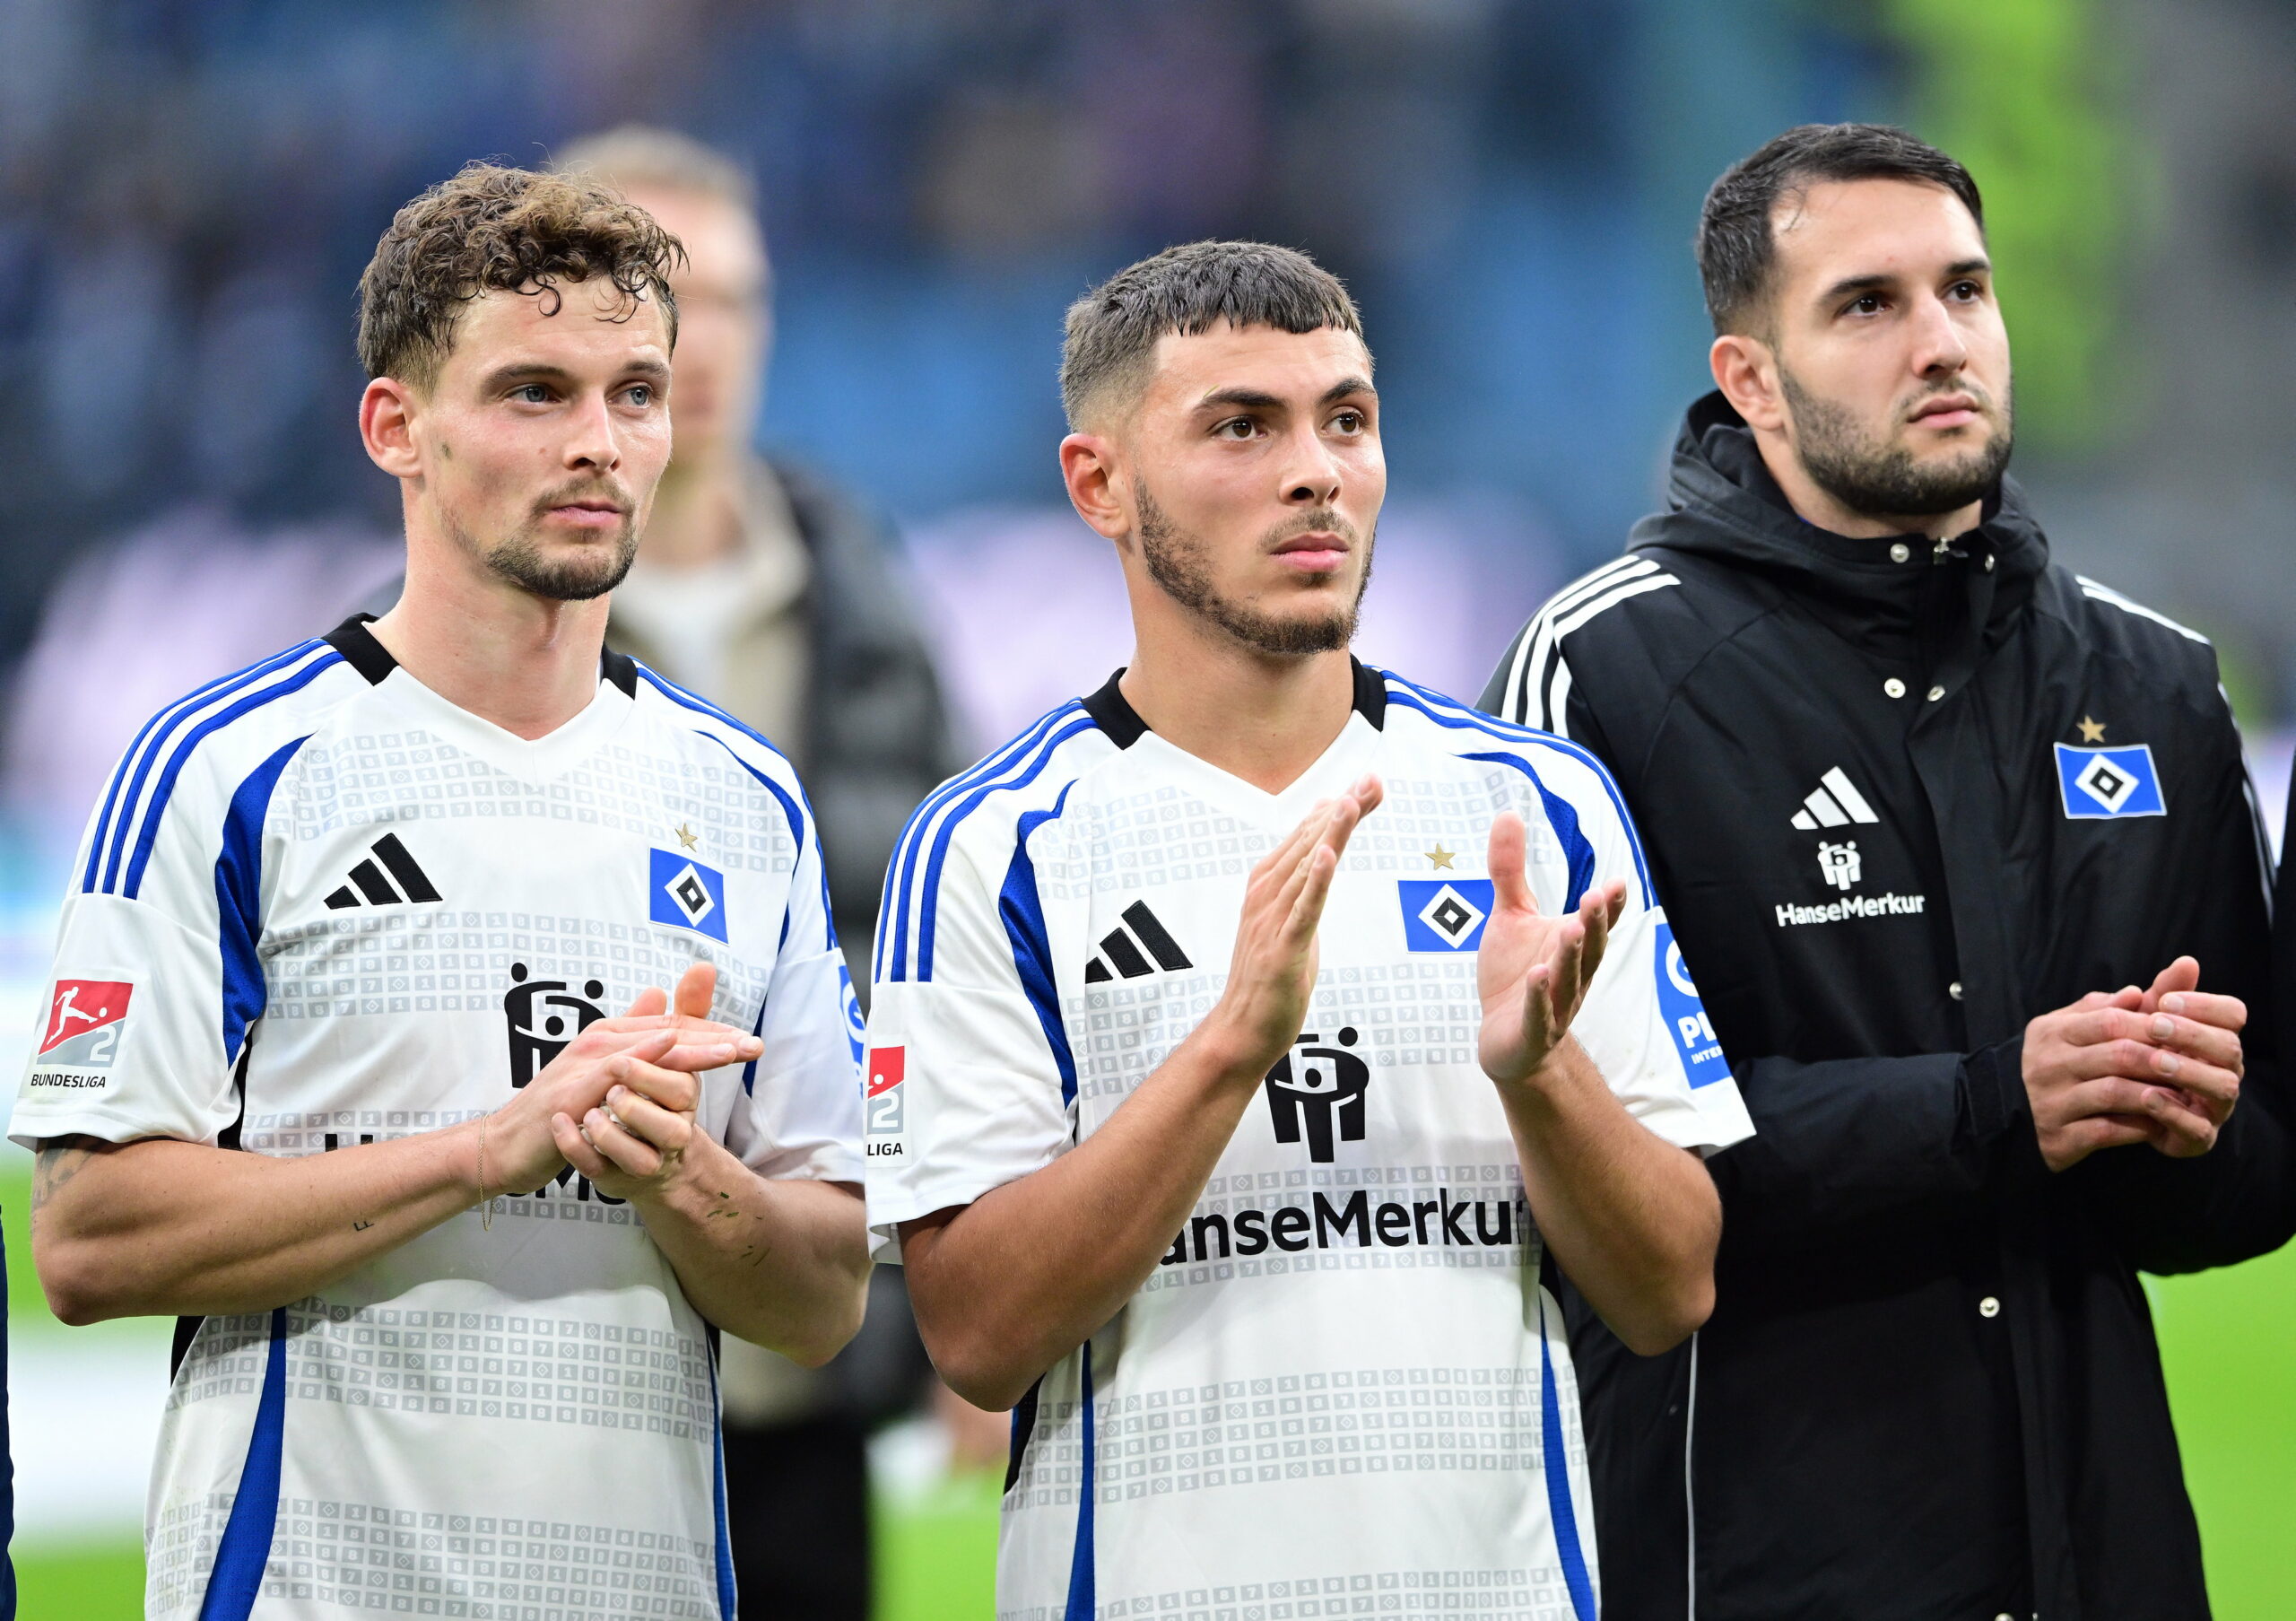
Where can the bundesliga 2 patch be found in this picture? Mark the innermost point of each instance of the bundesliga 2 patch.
(2108, 783)
(883, 1100)
(684, 893)
(85, 1020)
(1444, 914)
(1685, 1015)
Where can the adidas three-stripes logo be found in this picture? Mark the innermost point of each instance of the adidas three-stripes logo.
(368, 879)
(1122, 950)
(1835, 802)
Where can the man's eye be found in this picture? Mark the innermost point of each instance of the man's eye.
(641, 395)
(1968, 290)
(1237, 427)
(1349, 422)
(1868, 303)
(531, 394)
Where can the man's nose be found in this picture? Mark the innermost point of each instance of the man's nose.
(1939, 350)
(591, 442)
(1312, 478)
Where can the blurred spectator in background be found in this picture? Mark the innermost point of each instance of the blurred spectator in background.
(768, 591)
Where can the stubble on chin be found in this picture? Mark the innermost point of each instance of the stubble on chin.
(1882, 480)
(1177, 563)
(580, 573)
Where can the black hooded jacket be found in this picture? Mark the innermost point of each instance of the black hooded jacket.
(1894, 800)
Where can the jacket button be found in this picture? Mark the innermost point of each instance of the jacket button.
(1894, 687)
(1936, 693)
(1988, 1307)
(1954, 990)
(1900, 552)
(1988, 562)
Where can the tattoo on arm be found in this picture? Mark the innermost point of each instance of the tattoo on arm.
(360, 1226)
(59, 1160)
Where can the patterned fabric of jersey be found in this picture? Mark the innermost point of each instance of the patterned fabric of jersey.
(318, 907)
(1344, 1390)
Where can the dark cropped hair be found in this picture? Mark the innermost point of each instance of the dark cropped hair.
(1737, 234)
(1113, 330)
(492, 228)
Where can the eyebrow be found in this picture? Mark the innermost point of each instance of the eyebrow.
(1257, 400)
(538, 372)
(1853, 284)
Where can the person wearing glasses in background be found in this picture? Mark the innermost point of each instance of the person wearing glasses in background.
(767, 587)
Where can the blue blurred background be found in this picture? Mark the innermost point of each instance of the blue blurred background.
(188, 190)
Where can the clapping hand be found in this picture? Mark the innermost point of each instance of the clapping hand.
(1532, 970)
(1272, 970)
(632, 1141)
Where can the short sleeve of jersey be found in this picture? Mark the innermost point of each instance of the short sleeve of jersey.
(152, 991)
(969, 1081)
(800, 1116)
(1642, 1022)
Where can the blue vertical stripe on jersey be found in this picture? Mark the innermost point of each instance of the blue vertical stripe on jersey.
(800, 826)
(119, 774)
(1023, 914)
(726, 1599)
(1080, 1573)
(112, 827)
(893, 921)
(699, 705)
(1554, 1463)
(749, 1070)
(165, 785)
(912, 834)
(236, 1581)
(797, 822)
(929, 891)
(1563, 817)
(1458, 718)
(239, 898)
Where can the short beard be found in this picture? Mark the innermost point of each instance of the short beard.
(580, 575)
(1884, 482)
(1178, 561)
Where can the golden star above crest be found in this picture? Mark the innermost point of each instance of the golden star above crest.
(1440, 856)
(687, 838)
(2091, 731)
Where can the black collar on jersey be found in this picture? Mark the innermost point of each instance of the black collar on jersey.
(1113, 713)
(372, 659)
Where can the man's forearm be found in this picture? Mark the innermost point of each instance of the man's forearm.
(1633, 1219)
(781, 1263)
(1022, 1276)
(159, 1228)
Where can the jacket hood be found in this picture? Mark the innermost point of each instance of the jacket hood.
(1722, 502)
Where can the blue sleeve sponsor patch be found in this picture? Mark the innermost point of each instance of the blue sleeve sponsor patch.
(1685, 1015)
(2098, 784)
(1444, 914)
(686, 894)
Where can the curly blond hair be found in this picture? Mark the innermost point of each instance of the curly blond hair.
(495, 228)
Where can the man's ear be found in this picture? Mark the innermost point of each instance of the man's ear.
(386, 414)
(1089, 470)
(1745, 369)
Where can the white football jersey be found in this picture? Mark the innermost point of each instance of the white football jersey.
(319, 906)
(1344, 1390)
